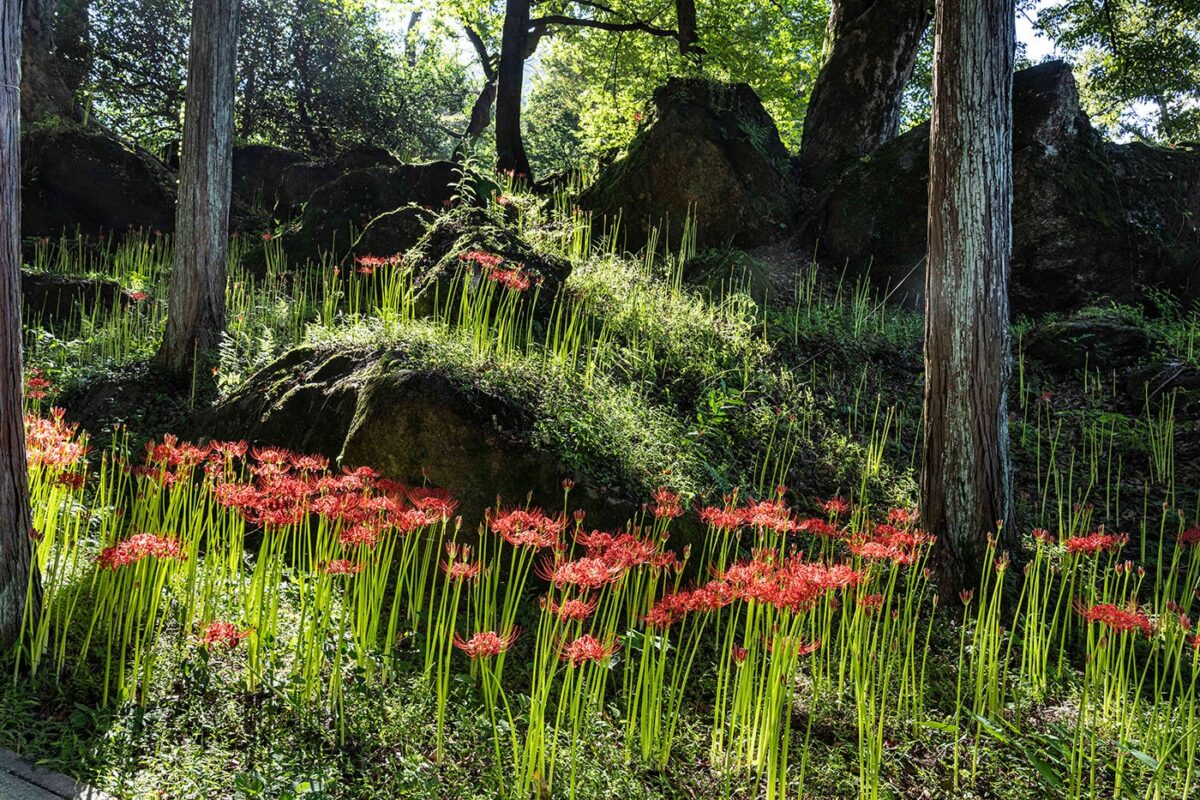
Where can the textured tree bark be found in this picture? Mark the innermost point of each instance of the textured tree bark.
(871, 47)
(14, 482)
(196, 304)
(965, 479)
(685, 17)
(43, 90)
(510, 147)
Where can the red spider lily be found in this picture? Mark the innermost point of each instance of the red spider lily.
(228, 450)
(582, 573)
(738, 654)
(136, 297)
(836, 507)
(889, 543)
(483, 258)
(361, 535)
(573, 608)
(870, 602)
(966, 595)
(808, 649)
(1195, 642)
(486, 644)
(37, 387)
(723, 518)
(587, 648)
(1119, 619)
(1190, 537)
(666, 504)
(343, 566)
(222, 633)
(902, 517)
(462, 570)
(620, 551)
(1042, 535)
(514, 278)
(50, 441)
(138, 547)
(1097, 542)
(171, 453)
(818, 526)
(769, 515)
(436, 501)
(527, 527)
(71, 480)
(309, 463)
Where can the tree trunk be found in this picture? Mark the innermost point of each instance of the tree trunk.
(196, 307)
(965, 481)
(685, 18)
(43, 91)
(510, 147)
(14, 481)
(871, 47)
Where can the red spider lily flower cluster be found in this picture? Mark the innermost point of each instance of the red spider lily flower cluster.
(1190, 537)
(1119, 619)
(462, 570)
(888, 543)
(836, 507)
(587, 648)
(573, 608)
(368, 264)
(71, 480)
(665, 504)
(37, 385)
(287, 486)
(485, 644)
(530, 527)
(138, 547)
(870, 602)
(1097, 542)
(342, 566)
(763, 515)
(624, 551)
(51, 442)
(738, 654)
(581, 573)
(790, 584)
(222, 633)
(495, 269)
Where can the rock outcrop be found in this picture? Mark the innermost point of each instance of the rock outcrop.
(47, 298)
(710, 151)
(1091, 219)
(79, 179)
(412, 425)
(336, 214)
(258, 171)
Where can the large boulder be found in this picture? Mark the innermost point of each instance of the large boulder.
(1091, 219)
(414, 425)
(710, 151)
(258, 173)
(301, 179)
(337, 213)
(47, 298)
(79, 179)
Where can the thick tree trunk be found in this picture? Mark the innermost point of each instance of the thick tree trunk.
(871, 48)
(196, 307)
(43, 91)
(510, 147)
(14, 482)
(965, 480)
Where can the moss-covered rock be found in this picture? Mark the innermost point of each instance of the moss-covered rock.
(258, 171)
(1090, 219)
(1103, 341)
(436, 256)
(80, 179)
(414, 425)
(710, 151)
